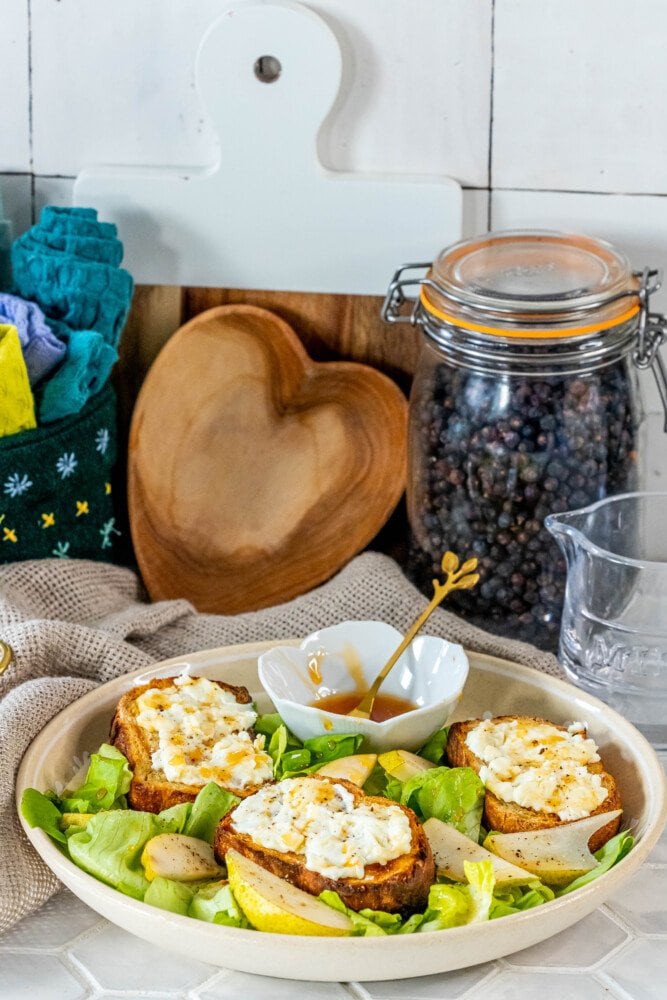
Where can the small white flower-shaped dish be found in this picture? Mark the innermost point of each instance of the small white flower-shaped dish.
(348, 657)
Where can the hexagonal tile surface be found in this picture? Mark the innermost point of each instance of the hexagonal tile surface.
(120, 961)
(641, 970)
(232, 985)
(546, 986)
(38, 977)
(446, 986)
(580, 946)
(643, 901)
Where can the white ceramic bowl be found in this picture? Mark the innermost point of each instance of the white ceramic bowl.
(430, 674)
(494, 686)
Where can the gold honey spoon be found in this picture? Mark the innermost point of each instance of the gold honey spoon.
(464, 578)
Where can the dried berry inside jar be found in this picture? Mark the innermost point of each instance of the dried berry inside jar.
(525, 403)
(491, 456)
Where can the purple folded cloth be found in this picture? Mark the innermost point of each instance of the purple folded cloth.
(42, 350)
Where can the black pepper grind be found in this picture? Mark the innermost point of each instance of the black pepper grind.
(525, 403)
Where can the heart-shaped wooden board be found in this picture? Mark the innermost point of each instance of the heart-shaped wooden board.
(256, 473)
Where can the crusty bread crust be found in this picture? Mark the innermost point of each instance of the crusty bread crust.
(401, 886)
(508, 817)
(150, 790)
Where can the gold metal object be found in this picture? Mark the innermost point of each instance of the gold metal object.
(6, 656)
(464, 578)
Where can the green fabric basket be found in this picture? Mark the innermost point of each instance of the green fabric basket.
(61, 492)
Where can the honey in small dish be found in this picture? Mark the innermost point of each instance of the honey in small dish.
(385, 706)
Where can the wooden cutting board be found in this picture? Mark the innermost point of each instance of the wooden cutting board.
(256, 473)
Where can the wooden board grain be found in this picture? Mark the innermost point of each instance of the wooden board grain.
(255, 473)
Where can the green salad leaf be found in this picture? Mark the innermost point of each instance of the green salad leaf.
(366, 923)
(215, 903)
(454, 795)
(514, 898)
(107, 782)
(434, 748)
(453, 905)
(211, 804)
(292, 758)
(169, 895)
(111, 844)
(40, 811)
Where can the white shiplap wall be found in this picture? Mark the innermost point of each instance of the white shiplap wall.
(548, 112)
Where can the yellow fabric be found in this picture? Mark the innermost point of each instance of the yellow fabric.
(17, 406)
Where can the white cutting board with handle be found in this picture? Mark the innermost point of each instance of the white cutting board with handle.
(267, 214)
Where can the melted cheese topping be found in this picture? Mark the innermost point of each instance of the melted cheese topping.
(539, 766)
(201, 735)
(337, 836)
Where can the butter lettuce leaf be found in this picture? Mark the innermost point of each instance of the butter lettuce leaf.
(107, 782)
(434, 748)
(111, 844)
(452, 905)
(454, 795)
(169, 895)
(211, 804)
(38, 810)
(366, 923)
(216, 904)
(514, 898)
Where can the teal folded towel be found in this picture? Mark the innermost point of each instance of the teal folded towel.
(68, 221)
(93, 248)
(68, 264)
(85, 295)
(83, 373)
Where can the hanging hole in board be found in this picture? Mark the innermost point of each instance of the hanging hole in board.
(267, 69)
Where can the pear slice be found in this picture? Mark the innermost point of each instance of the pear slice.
(272, 904)
(403, 765)
(75, 819)
(555, 855)
(355, 768)
(451, 848)
(175, 856)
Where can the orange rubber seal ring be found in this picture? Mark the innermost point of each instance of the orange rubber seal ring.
(578, 331)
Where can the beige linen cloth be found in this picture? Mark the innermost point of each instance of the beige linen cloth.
(74, 625)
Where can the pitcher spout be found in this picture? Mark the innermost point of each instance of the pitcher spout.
(566, 529)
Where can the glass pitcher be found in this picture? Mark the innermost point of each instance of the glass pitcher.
(613, 639)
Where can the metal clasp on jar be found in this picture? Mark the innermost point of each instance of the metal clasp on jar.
(651, 329)
(651, 333)
(396, 298)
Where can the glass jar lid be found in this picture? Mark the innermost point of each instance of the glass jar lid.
(532, 284)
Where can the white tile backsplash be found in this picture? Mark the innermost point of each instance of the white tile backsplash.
(15, 101)
(636, 224)
(416, 93)
(17, 201)
(120, 90)
(578, 95)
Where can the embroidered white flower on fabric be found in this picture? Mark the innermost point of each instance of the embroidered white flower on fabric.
(102, 440)
(107, 530)
(16, 485)
(61, 550)
(66, 464)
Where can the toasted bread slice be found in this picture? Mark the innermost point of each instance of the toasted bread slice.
(150, 790)
(509, 817)
(401, 886)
